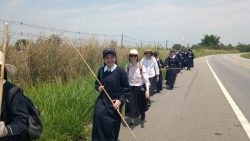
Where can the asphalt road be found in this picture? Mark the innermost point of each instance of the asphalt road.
(234, 72)
(197, 110)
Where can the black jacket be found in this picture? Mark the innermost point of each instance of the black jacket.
(14, 114)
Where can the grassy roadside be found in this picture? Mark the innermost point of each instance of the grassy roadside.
(205, 52)
(247, 55)
(66, 108)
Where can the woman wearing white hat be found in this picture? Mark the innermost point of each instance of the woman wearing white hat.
(138, 80)
(14, 114)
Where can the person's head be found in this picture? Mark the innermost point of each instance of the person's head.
(133, 56)
(11, 69)
(148, 53)
(156, 54)
(109, 57)
(172, 53)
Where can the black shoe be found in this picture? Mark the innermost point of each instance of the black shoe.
(131, 123)
(143, 116)
(171, 88)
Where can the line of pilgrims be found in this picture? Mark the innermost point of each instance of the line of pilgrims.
(132, 86)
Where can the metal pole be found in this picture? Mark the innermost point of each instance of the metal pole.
(166, 44)
(5, 44)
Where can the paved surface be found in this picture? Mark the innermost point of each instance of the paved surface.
(234, 72)
(196, 110)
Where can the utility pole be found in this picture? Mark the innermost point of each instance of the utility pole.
(141, 44)
(122, 41)
(166, 44)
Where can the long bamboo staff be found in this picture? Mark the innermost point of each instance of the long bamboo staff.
(171, 69)
(5, 44)
(104, 88)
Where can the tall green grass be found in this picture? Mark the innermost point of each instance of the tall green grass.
(66, 108)
(246, 55)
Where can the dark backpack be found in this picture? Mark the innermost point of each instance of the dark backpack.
(35, 125)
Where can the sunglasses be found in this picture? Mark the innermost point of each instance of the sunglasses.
(133, 55)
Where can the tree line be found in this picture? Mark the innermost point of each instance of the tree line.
(213, 42)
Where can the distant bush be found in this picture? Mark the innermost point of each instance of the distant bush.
(243, 48)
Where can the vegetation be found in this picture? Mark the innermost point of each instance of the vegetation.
(66, 108)
(210, 41)
(246, 55)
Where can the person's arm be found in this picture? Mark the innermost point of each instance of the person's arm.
(98, 87)
(156, 67)
(125, 86)
(146, 80)
(19, 115)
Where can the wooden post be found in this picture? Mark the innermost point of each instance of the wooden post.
(122, 41)
(5, 44)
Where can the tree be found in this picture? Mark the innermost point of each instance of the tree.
(210, 41)
(177, 46)
(21, 44)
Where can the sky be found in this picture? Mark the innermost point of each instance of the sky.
(178, 21)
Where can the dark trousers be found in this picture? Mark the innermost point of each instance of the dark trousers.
(190, 63)
(152, 85)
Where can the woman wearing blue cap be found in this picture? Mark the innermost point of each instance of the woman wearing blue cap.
(106, 121)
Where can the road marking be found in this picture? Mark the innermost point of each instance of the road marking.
(244, 122)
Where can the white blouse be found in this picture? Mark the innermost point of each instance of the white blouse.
(151, 66)
(136, 77)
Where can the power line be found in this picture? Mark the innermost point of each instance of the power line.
(55, 29)
(127, 38)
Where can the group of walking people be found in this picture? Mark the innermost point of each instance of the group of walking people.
(132, 86)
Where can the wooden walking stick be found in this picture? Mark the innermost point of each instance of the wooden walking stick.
(106, 93)
(5, 44)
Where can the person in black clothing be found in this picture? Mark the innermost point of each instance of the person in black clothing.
(172, 65)
(106, 120)
(14, 114)
(190, 59)
(184, 63)
(160, 65)
(180, 57)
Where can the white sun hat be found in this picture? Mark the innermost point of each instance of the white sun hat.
(133, 51)
(11, 69)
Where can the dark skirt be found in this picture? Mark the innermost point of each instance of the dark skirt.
(152, 85)
(159, 83)
(137, 103)
(170, 77)
(106, 121)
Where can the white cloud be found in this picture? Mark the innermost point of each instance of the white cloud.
(14, 3)
(154, 20)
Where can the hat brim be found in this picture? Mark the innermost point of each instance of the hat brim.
(111, 53)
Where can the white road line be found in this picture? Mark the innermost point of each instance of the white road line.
(245, 124)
